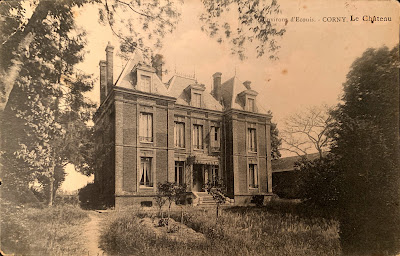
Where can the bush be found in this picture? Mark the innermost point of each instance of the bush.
(320, 182)
(258, 200)
(90, 197)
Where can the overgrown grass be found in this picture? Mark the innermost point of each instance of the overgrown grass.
(240, 231)
(42, 231)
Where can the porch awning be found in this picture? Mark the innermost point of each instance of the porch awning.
(210, 160)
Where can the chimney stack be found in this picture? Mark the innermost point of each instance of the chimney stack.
(103, 80)
(216, 85)
(157, 62)
(109, 59)
(247, 84)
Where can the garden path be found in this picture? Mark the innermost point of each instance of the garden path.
(92, 234)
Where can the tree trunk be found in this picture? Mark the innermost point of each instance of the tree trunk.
(217, 213)
(51, 186)
(12, 71)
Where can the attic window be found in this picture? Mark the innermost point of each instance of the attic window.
(250, 105)
(197, 100)
(145, 83)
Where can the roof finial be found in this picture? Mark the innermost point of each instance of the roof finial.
(235, 70)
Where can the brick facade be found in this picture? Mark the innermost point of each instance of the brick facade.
(142, 118)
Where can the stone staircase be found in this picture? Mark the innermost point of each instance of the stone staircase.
(205, 199)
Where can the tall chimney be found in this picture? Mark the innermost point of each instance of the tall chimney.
(247, 84)
(109, 59)
(217, 85)
(157, 62)
(103, 80)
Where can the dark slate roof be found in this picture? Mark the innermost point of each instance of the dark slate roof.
(287, 163)
(176, 88)
(125, 79)
(230, 91)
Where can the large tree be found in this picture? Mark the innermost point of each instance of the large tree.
(366, 143)
(308, 131)
(46, 113)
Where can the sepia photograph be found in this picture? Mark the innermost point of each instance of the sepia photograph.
(199, 127)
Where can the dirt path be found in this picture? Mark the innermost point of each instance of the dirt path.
(92, 234)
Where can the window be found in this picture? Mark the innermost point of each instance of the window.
(214, 174)
(179, 133)
(214, 138)
(253, 176)
(146, 127)
(146, 177)
(250, 103)
(197, 100)
(145, 83)
(179, 172)
(251, 139)
(198, 136)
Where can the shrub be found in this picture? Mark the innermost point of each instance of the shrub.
(320, 182)
(90, 197)
(258, 200)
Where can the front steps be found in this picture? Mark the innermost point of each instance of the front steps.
(205, 199)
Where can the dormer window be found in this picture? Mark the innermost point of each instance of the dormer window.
(145, 83)
(195, 93)
(250, 105)
(197, 100)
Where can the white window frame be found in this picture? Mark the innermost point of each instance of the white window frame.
(251, 104)
(180, 172)
(253, 175)
(143, 84)
(146, 127)
(146, 172)
(198, 142)
(179, 133)
(197, 100)
(252, 139)
(215, 143)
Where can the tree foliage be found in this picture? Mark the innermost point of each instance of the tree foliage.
(276, 142)
(251, 29)
(47, 99)
(172, 192)
(140, 24)
(366, 140)
(319, 182)
(217, 190)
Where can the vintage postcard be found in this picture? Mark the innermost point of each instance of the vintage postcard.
(226, 127)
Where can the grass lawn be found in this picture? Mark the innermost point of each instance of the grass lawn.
(49, 231)
(240, 231)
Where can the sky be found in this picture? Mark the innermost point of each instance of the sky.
(314, 57)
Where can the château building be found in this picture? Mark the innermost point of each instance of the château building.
(177, 131)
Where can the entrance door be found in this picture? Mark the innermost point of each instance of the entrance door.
(198, 177)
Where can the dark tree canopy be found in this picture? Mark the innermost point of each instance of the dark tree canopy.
(276, 141)
(366, 142)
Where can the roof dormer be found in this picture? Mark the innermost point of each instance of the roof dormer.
(142, 77)
(248, 98)
(195, 92)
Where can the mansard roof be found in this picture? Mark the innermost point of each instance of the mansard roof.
(231, 92)
(177, 87)
(125, 79)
